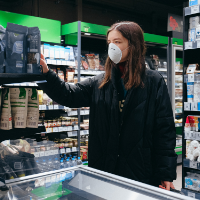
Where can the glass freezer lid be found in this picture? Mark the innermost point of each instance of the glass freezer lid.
(81, 184)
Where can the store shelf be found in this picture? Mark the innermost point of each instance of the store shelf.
(178, 84)
(178, 98)
(60, 62)
(82, 112)
(178, 124)
(192, 10)
(89, 72)
(6, 78)
(178, 149)
(192, 45)
(192, 135)
(84, 132)
(190, 193)
(162, 69)
(19, 133)
(61, 129)
(180, 71)
(192, 106)
(191, 164)
(51, 107)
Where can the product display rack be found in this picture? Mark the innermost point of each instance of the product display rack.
(190, 56)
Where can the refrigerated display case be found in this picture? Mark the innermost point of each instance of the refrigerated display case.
(84, 183)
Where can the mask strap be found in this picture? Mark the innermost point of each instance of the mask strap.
(126, 48)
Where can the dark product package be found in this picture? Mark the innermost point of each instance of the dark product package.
(16, 48)
(2, 47)
(33, 50)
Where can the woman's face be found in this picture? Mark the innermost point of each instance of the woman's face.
(117, 38)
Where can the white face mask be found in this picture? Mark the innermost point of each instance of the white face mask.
(115, 53)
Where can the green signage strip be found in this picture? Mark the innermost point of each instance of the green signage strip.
(70, 28)
(179, 59)
(50, 29)
(155, 38)
(177, 41)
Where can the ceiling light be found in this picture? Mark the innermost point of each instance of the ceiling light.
(87, 33)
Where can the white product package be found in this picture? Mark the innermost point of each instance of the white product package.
(33, 108)
(198, 33)
(194, 22)
(196, 92)
(6, 117)
(192, 34)
(19, 101)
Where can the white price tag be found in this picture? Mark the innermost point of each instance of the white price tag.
(41, 153)
(48, 130)
(186, 105)
(66, 107)
(193, 135)
(191, 194)
(187, 135)
(68, 150)
(193, 164)
(55, 151)
(44, 107)
(82, 112)
(32, 84)
(40, 107)
(76, 127)
(190, 77)
(46, 153)
(59, 62)
(194, 106)
(74, 149)
(198, 136)
(188, 45)
(194, 9)
(56, 107)
(86, 132)
(49, 61)
(62, 150)
(60, 129)
(64, 62)
(65, 128)
(87, 112)
(69, 128)
(81, 132)
(37, 154)
(50, 107)
(69, 134)
(55, 129)
(23, 84)
(53, 62)
(198, 44)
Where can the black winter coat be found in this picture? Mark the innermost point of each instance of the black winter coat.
(137, 144)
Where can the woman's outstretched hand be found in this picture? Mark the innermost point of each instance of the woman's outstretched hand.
(44, 64)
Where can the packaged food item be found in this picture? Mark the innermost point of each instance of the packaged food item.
(91, 61)
(70, 75)
(194, 2)
(67, 53)
(33, 50)
(57, 51)
(97, 61)
(33, 108)
(71, 55)
(40, 93)
(192, 34)
(196, 92)
(84, 63)
(190, 91)
(62, 52)
(6, 117)
(16, 48)
(52, 52)
(19, 104)
(75, 79)
(46, 50)
(60, 73)
(2, 48)
(197, 33)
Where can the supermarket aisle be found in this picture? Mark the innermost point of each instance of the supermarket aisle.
(178, 181)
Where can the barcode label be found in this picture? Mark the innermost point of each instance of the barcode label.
(4, 125)
(17, 165)
(19, 123)
(32, 123)
(29, 68)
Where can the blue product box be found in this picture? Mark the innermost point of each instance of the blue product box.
(193, 2)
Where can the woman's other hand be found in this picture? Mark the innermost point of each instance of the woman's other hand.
(44, 64)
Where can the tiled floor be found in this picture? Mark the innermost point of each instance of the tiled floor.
(178, 181)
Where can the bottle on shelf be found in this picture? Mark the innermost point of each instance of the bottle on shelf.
(56, 164)
(73, 162)
(50, 165)
(62, 164)
(67, 164)
(79, 162)
(44, 167)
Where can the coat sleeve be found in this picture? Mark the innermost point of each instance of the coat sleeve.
(73, 96)
(164, 137)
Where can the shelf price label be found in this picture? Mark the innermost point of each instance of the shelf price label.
(59, 62)
(60, 129)
(37, 154)
(53, 62)
(198, 136)
(86, 132)
(55, 129)
(68, 150)
(193, 164)
(49, 61)
(194, 9)
(188, 45)
(62, 150)
(69, 134)
(186, 105)
(81, 132)
(69, 128)
(76, 127)
(56, 107)
(82, 112)
(44, 107)
(65, 128)
(48, 130)
(55, 151)
(41, 153)
(87, 112)
(51, 152)
(46, 153)
(191, 194)
(74, 149)
(50, 107)
(190, 77)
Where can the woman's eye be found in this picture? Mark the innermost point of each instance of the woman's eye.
(116, 42)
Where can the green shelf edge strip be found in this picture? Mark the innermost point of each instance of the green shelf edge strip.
(177, 41)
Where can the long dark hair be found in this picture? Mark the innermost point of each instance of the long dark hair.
(135, 64)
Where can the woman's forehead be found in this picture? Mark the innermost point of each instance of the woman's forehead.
(114, 35)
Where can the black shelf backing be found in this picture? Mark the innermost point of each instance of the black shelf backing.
(6, 78)
(18, 133)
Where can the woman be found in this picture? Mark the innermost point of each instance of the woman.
(132, 131)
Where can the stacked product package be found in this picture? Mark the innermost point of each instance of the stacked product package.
(194, 29)
(20, 49)
(20, 108)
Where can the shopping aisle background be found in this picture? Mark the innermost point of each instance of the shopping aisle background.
(178, 181)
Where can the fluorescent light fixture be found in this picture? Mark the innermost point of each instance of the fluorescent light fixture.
(62, 40)
(87, 33)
